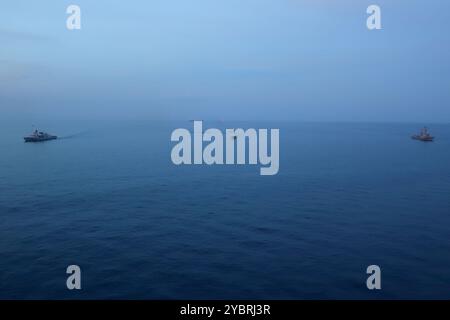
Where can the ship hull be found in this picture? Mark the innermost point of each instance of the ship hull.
(37, 139)
(424, 139)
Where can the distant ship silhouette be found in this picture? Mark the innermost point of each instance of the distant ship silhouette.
(39, 136)
(423, 136)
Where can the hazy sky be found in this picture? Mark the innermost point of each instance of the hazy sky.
(308, 60)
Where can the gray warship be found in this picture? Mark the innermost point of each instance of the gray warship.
(423, 136)
(39, 136)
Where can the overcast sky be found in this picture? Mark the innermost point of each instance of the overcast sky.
(306, 60)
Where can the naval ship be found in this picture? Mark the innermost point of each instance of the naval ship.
(423, 136)
(38, 136)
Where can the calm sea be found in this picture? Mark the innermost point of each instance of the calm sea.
(108, 198)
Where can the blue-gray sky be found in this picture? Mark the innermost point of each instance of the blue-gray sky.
(307, 60)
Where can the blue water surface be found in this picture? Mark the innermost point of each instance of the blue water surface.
(108, 198)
